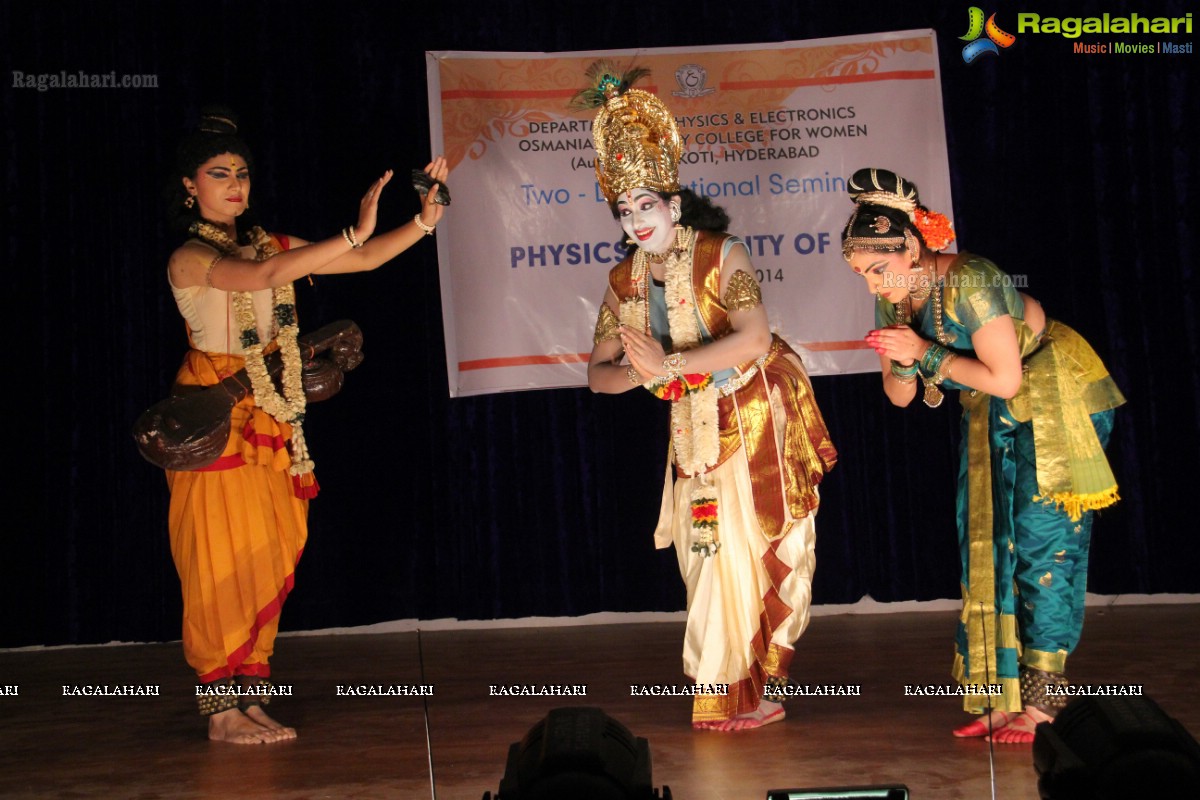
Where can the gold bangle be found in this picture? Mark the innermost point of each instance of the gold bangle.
(632, 373)
(943, 370)
(673, 364)
(208, 272)
(429, 229)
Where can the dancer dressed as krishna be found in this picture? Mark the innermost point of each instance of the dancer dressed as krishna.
(683, 318)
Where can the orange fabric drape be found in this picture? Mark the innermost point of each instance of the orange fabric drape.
(237, 531)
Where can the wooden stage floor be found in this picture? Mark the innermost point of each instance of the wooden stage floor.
(148, 747)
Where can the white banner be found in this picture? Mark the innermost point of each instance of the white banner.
(771, 133)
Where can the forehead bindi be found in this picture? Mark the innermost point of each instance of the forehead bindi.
(226, 162)
(857, 262)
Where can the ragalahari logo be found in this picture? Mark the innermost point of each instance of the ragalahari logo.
(976, 27)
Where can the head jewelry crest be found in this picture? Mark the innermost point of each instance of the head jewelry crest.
(637, 142)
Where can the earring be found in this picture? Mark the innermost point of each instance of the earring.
(191, 201)
(912, 246)
(921, 281)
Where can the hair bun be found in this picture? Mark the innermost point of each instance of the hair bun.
(877, 195)
(219, 120)
(870, 185)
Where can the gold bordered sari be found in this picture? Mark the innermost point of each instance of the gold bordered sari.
(1064, 407)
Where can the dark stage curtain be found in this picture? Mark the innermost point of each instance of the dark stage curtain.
(1076, 170)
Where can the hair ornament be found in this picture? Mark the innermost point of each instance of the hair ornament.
(935, 228)
(872, 226)
(637, 142)
(212, 123)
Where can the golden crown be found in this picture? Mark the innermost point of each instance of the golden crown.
(637, 142)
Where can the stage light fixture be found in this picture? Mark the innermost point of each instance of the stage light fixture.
(580, 753)
(1105, 748)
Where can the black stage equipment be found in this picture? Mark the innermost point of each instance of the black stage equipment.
(580, 753)
(1104, 748)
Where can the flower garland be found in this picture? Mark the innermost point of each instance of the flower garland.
(704, 523)
(694, 425)
(668, 388)
(695, 429)
(289, 406)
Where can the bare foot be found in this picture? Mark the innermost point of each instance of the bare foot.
(1021, 729)
(256, 714)
(980, 726)
(766, 713)
(235, 727)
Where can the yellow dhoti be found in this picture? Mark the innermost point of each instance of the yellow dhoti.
(237, 531)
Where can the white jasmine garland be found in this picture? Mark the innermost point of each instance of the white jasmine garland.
(695, 430)
(289, 406)
(693, 416)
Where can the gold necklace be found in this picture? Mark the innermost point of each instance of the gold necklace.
(926, 284)
(905, 313)
(939, 330)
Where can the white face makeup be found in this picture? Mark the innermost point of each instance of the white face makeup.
(646, 218)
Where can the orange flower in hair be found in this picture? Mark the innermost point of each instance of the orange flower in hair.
(935, 228)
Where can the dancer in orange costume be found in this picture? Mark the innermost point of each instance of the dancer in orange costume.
(238, 526)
